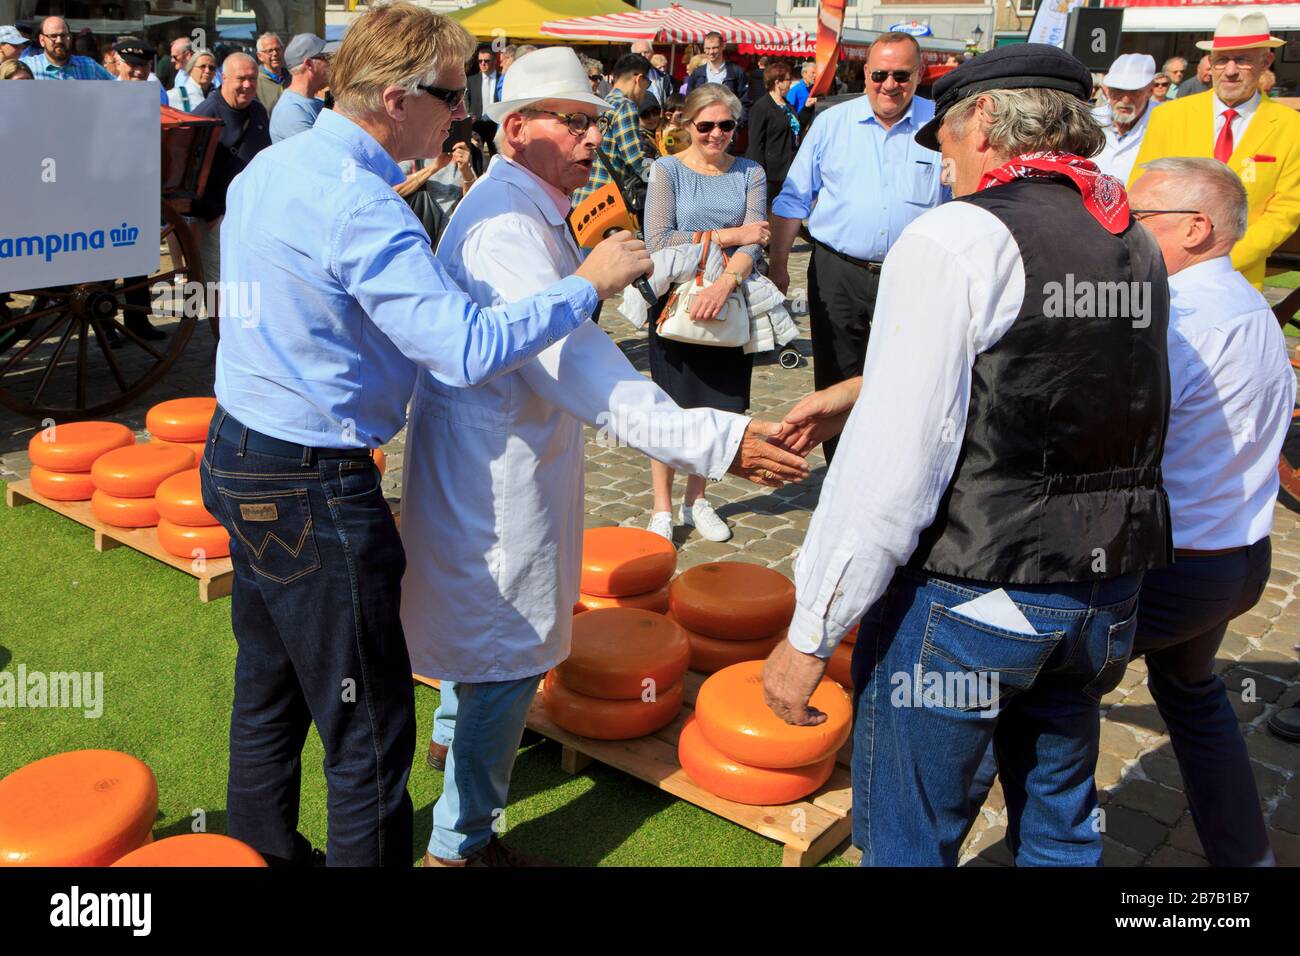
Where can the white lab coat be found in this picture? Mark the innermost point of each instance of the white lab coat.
(492, 492)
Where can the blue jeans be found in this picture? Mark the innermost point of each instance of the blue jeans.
(486, 722)
(934, 688)
(1182, 617)
(317, 576)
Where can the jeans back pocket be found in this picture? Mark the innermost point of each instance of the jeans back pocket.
(1119, 647)
(978, 664)
(275, 530)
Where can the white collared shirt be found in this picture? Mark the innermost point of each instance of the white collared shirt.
(492, 496)
(489, 88)
(1245, 113)
(951, 287)
(1231, 395)
(715, 75)
(1120, 152)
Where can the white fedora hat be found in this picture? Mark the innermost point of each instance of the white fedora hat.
(1247, 32)
(552, 73)
(1131, 71)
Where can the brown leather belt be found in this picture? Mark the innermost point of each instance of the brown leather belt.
(1189, 553)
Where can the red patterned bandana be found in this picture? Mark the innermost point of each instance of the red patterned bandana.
(1103, 196)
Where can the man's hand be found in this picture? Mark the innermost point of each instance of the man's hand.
(464, 160)
(789, 679)
(819, 416)
(764, 463)
(615, 263)
(778, 270)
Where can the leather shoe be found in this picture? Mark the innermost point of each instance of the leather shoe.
(493, 853)
(437, 755)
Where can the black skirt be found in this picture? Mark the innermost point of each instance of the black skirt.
(699, 376)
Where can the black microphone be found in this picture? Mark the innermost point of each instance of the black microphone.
(642, 284)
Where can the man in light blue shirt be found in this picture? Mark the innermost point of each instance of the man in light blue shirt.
(297, 108)
(859, 179)
(333, 304)
(56, 61)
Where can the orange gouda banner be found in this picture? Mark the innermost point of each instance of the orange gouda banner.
(830, 27)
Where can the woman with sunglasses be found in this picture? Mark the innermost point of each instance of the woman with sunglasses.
(1160, 89)
(703, 188)
(197, 84)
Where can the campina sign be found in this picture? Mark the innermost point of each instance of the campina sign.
(79, 198)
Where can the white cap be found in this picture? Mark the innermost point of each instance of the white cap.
(9, 34)
(1132, 71)
(551, 73)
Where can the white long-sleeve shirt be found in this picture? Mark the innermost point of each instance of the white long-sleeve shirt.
(1231, 395)
(492, 496)
(951, 287)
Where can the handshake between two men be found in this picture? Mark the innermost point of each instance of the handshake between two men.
(771, 453)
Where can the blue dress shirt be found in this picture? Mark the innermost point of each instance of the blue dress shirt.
(859, 184)
(332, 299)
(797, 95)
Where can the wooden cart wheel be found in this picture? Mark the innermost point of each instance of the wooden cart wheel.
(55, 356)
(1286, 312)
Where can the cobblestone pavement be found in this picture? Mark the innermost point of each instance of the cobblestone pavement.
(1146, 819)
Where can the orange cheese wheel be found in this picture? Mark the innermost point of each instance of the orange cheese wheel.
(839, 667)
(733, 600)
(708, 654)
(736, 719)
(617, 562)
(62, 485)
(656, 601)
(123, 512)
(181, 419)
(137, 470)
(211, 541)
(609, 719)
(380, 461)
(195, 849)
(82, 808)
(717, 773)
(616, 649)
(195, 446)
(76, 445)
(180, 500)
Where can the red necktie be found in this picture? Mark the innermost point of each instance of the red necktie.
(1223, 145)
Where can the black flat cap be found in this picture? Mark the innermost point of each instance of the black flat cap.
(1017, 66)
(134, 51)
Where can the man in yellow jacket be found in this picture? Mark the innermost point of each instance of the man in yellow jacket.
(1256, 137)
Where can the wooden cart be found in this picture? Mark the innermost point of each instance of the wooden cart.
(56, 360)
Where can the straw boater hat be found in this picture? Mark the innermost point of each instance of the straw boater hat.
(1247, 32)
(552, 73)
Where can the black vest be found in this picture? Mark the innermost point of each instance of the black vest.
(1058, 478)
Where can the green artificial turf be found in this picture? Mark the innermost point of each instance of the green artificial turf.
(168, 666)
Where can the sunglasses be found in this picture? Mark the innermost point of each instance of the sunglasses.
(453, 98)
(707, 126)
(1159, 83)
(900, 76)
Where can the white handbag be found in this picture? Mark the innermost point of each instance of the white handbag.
(729, 329)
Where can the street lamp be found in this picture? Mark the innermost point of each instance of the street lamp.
(976, 36)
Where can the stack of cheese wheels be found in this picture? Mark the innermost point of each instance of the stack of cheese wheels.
(185, 528)
(63, 455)
(838, 668)
(127, 478)
(195, 849)
(735, 747)
(83, 808)
(181, 421)
(625, 567)
(623, 677)
(731, 612)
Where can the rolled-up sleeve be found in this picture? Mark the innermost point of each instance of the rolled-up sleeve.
(803, 181)
(381, 257)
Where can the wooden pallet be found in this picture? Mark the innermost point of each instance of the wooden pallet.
(215, 580)
(809, 829)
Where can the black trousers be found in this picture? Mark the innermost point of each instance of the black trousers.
(841, 304)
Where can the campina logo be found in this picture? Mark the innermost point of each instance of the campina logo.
(51, 244)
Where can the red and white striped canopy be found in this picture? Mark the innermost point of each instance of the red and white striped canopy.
(674, 24)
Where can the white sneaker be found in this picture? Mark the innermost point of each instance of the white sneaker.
(661, 523)
(704, 519)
